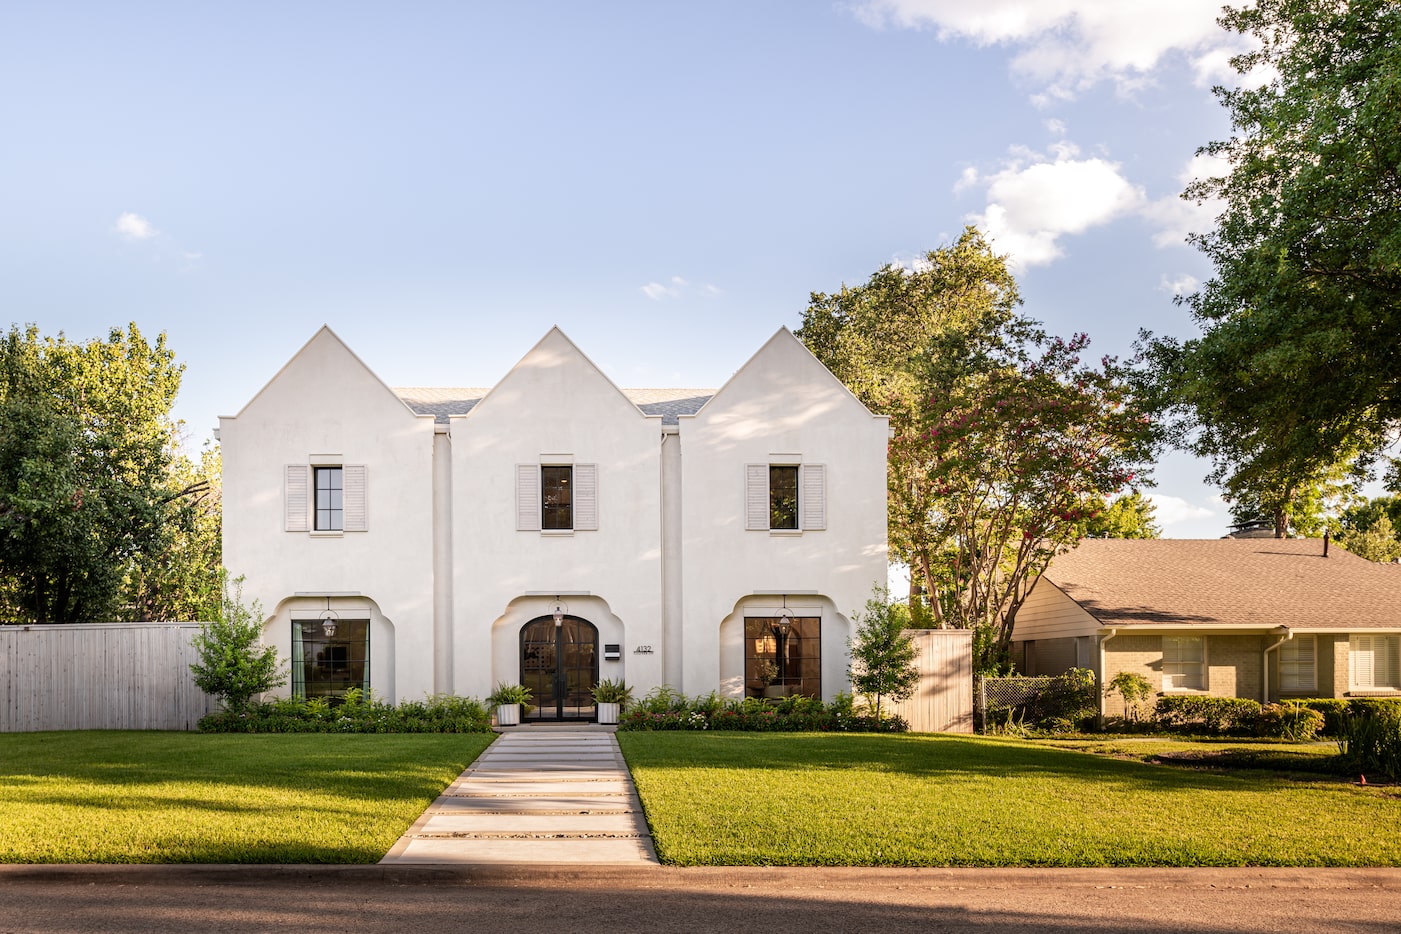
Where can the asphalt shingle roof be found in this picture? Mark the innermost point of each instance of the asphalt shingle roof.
(447, 401)
(1259, 582)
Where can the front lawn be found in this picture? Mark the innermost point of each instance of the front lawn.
(919, 800)
(115, 797)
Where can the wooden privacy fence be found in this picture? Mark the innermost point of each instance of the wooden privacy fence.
(943, 701)
(99, 676)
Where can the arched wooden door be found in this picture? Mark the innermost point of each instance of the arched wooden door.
(560, 666)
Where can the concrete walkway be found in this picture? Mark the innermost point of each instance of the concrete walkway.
(539, 794)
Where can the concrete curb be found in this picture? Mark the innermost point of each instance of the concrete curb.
(635, 875)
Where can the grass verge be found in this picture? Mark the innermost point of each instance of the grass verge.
(121, 797)
(920, 800)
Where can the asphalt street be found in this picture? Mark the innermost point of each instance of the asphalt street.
(606, 898)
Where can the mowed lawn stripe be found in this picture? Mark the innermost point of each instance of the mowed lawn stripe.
(867, 800)
(148, 797)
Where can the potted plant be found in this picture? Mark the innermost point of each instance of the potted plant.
(508, 699)
(768, 674)
(611, 697)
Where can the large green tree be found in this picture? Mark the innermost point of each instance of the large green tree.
(89, 473)
(1130, 515)
(1297, 374)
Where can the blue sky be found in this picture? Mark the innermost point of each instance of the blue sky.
(442, 182)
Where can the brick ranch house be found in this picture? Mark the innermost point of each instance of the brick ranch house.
(1267, 619)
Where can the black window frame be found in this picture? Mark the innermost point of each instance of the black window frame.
(557, 497)
(783, 497)
(328, 511)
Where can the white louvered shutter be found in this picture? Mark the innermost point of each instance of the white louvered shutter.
(756, 496)
(586, 497)
(355, 497)
(527, 497)
(812, 496)
(295, 490)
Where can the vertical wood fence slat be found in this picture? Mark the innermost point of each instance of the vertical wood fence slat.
(99, 676)
(943, 702)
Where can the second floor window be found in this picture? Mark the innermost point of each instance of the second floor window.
(556, 498)
(330, 505)
(783, 497)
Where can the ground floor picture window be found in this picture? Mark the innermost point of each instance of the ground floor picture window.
(1182, 663)
(330, 658)
(782, 656)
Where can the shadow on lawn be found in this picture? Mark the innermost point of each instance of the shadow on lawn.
(919, 756)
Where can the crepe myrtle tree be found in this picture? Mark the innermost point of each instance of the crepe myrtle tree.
(1004, 468)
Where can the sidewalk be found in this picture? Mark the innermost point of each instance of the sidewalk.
(539, 794)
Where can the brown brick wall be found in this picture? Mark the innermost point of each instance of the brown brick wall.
(1233, 665)
(1141, 654)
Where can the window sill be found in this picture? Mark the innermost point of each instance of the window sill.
(556, 533)
(785, 533)
(327, 533)
(1372, 692)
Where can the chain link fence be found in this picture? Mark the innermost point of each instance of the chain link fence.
(1042, 703)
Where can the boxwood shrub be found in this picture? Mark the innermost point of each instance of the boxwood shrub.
(664, 709)
(358, 713)
(1202, 713)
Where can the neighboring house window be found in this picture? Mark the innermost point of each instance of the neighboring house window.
(557, 497)
(326, 497)
(779, 663)
(785, 497)
(1182, 663)
(1297, 664)
(329, 665)
(330, 507)
(1373, 663)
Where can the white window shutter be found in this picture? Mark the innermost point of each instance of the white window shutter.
(355, 497)
(586, 497)
(756, 496)
(812, 496)
(527, 497)
(295, 490)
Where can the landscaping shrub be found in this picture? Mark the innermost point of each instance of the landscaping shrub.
(1370, 741)
(360, 712)
(665, 709)
(1290, 721)
(1336, 709)
(1206, 714)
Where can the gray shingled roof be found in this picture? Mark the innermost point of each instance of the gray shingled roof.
(1259, 582)
(444, 402)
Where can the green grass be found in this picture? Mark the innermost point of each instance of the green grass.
(114, 797)
(823, 799)
(1277, 756)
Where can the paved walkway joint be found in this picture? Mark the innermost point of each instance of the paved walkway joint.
(537, 795)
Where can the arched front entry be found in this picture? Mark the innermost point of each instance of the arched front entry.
(560, 666)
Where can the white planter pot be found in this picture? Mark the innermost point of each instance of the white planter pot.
(776, 690)
(508, 715)
(608, 713)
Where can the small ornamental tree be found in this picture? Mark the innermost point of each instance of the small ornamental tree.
(882, 654)
(233, 664)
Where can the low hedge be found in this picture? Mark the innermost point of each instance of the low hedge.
(664, 709)
(1336, 709)
(358, 713)
(1207, 714)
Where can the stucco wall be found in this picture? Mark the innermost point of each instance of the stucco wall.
(781, 407)
(326, 407)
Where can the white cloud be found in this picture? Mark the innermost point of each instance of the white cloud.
(1055, 127)
(1034, 200)
(1066, 46)
(1180, 285)
(1171, 510)
(675, 287)
(1174, 217)
(134, 227)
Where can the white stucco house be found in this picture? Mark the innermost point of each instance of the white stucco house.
(556, 530)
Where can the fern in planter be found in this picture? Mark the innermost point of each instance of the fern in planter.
(507, 694)
(612, 692)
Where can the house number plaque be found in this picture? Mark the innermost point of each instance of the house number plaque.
(642, 650)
